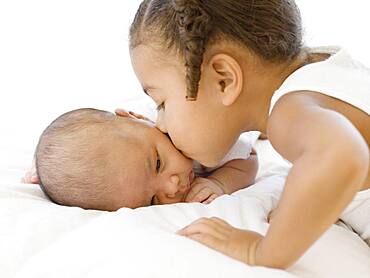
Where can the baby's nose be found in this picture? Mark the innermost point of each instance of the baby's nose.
(181, 187)
(175, 179)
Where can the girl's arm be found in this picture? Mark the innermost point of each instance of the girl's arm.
(330, 163)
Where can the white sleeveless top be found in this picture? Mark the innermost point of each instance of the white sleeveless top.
(241, 150)
(339, 76)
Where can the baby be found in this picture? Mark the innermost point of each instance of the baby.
(95, 159)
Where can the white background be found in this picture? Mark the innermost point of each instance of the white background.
(59, 55)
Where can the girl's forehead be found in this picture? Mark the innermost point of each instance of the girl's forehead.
(155, 56)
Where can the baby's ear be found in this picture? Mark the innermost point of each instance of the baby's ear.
(122, 113)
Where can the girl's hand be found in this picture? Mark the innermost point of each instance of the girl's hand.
(219, 235)
(204, 190)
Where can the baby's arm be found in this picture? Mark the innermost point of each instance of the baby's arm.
(232, 176)
(236, 174)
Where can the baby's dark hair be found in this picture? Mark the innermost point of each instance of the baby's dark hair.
(69, 163)
(270, 28)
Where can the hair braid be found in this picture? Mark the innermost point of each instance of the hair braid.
(271, 29)
(194, 28)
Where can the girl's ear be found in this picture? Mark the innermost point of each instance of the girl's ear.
(228, 77)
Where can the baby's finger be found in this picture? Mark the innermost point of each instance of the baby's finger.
(28, 178)
(210, 199)
(195, 188)
(35, 180)
(202, 195)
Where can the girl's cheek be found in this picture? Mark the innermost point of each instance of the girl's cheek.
(179, 115)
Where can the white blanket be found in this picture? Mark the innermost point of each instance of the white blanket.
(41, 239)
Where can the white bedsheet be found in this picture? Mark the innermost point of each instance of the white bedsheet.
(41, 239)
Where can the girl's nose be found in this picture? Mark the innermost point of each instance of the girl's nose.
(160, 123)
(173, 186)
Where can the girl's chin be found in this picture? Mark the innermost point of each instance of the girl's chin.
(209, 162)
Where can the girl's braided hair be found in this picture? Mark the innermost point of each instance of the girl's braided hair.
(270, 28)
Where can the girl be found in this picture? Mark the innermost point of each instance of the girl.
(219, 68)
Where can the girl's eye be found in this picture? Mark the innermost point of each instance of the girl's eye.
(161, 107)
(158, 166)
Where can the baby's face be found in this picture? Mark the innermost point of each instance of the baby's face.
(144, 167)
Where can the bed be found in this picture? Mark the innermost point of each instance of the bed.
(60, 55)
(42, 239)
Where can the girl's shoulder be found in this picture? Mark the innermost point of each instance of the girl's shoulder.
(301, 121)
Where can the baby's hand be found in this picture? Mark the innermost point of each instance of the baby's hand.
(204, 190)
(31, 175)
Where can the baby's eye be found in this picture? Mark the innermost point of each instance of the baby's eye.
(158, 166)
(161, 107)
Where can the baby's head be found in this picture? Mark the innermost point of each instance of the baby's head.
(97, 160)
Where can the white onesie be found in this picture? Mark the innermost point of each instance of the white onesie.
(241, 150)
(343, 78)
